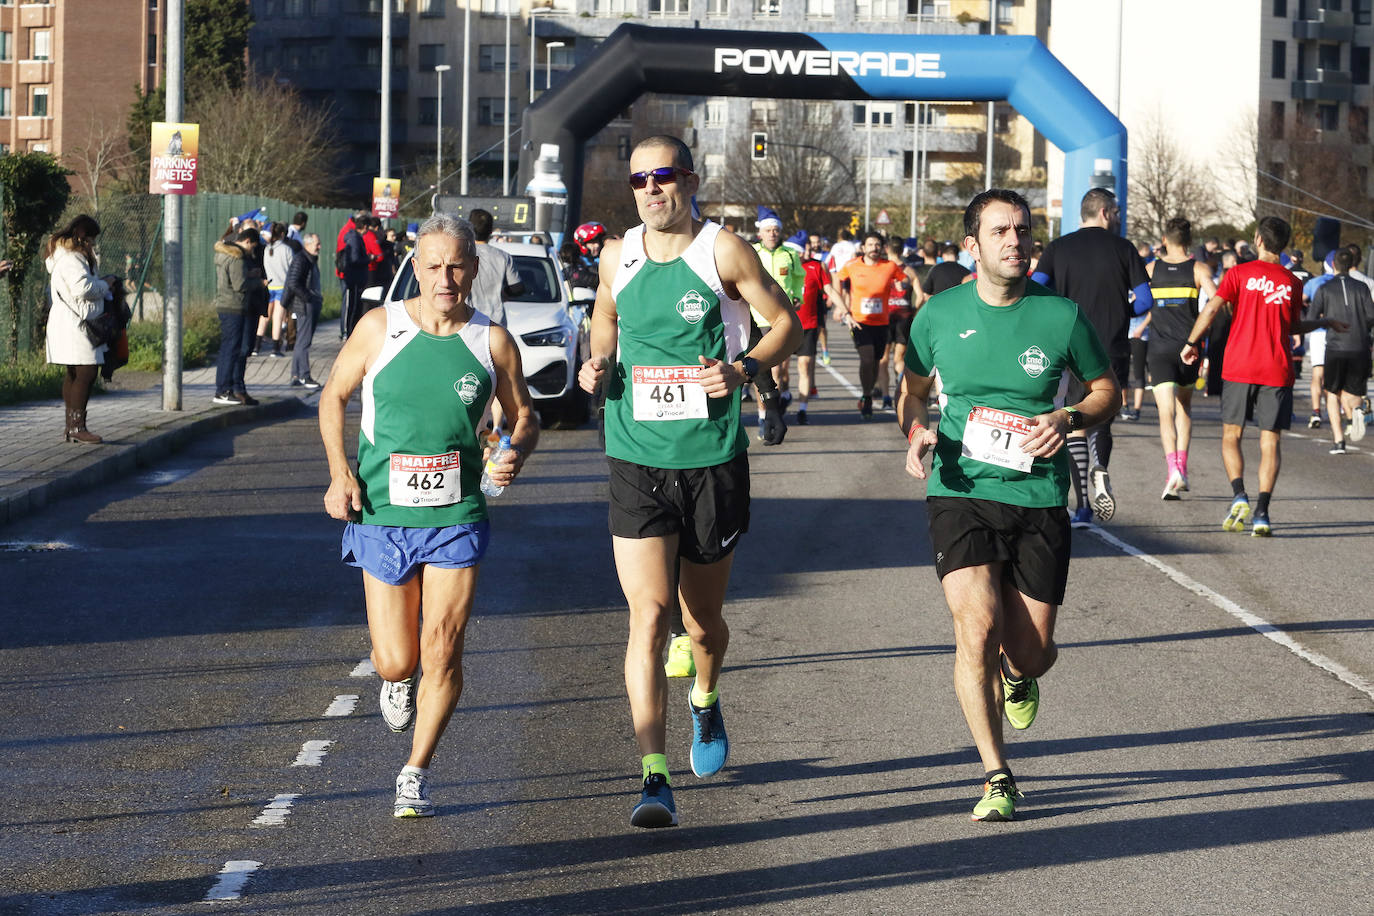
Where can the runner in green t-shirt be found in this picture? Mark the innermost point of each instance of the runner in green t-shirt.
(999, 481)
(670, 339)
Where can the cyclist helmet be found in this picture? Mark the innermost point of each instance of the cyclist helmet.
(588, 232)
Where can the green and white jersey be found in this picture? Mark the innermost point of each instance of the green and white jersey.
(999, 366)
(669, 314)
(419, 461)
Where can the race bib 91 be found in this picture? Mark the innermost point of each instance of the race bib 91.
(996, 437)
(424, 480)
(668, 393)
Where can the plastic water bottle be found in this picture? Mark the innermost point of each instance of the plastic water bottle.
(499, 447)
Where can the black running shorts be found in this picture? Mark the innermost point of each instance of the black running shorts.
(1270, 407)
(1032, 545)
(809, 338)
(1348, 372)
(707, 508)
(1162, 357)
(899, 326)
(869, 335)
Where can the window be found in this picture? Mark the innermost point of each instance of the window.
(768, 8)
(877, 9)
(820, 114)
(1278, 68)
(1281, 9)
(42, 44)
(431, 7)
(433, 55)
(398, 55)
(6, 102)
(714, 166)
(1364, 12)
(1002, 122)
(1005, 12)
(882, 113)
(319, 56)
(717, 111)
(1359, 124)
(429, 110)
(1276, 120)
(717, 8)
(152, 50)
(612, 7)
(929, 9)
(1329, 56)
(668, 9)
(293, 9)
(622, 148)
(763, 112)
(820, 9)
(670, 111)
(293, 58)
(498, 7)
(1328, 117)
(1359, 64)
(490, 111)
(6, 46)
(38, 146)
(885, 168)
(562, 58)
(38, 102)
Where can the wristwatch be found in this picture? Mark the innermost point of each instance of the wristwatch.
(750, 366)
(1075, 418)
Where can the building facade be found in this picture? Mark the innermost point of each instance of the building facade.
(67, 68)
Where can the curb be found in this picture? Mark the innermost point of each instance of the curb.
(141, 449)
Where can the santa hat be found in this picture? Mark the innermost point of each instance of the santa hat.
(768, 217)
(798, 241)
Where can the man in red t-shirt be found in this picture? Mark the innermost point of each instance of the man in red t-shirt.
(1257, 371)
(864, 285)
(811, 311)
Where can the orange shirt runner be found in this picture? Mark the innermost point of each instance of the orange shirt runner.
(869, 285)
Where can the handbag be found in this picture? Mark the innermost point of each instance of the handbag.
(102, 330)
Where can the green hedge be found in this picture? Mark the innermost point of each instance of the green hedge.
(199, 341)
(30, 378)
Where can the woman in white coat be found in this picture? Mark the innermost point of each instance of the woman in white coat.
(78, 294)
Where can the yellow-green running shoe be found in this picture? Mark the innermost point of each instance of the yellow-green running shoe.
(1020, 701)
(999, 800)
(680, 662)
(1235, 519)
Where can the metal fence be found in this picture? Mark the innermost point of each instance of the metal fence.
(130, 246)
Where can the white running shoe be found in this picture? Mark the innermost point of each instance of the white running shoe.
(1172, 486)
(1357, 424)
(398, 704)
(412, 796)
(1104, 505)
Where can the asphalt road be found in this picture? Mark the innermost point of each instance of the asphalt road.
(173, 644)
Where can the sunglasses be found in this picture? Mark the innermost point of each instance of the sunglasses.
(666, 175)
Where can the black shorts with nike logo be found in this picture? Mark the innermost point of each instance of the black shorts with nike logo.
(708, 508)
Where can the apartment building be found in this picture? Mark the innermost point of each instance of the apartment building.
(68, 68)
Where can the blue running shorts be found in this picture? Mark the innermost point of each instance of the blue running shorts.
(391, 554)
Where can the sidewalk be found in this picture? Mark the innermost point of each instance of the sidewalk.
(37, 466)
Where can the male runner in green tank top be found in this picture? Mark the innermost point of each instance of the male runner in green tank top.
(669, 339)
(997, 488)
(417, 517)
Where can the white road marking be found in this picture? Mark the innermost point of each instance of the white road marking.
(343, 705)
(163, 477)
(274, 815)
(1252, 620)
(363, 669)
(232, 877)
(843, 381)
(312, 753)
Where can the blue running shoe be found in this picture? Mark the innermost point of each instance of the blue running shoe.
(1083, 518)
(655, 808)
(710, 747)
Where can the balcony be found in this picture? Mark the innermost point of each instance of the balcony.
(34, 128)
(35, 71)
(36, 15)
(949, 139)
(1328, 86)
(1330, 25)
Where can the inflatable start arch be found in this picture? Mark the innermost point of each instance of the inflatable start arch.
(1017, 69)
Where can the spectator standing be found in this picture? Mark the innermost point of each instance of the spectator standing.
(304, 300)
(78, 295)
(353, 261)
(237, 280)
(296, 231)
(276, 262)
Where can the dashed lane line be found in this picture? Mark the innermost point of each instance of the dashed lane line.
(274, 815)
(312, 753)
(343, 705)
(232, 877)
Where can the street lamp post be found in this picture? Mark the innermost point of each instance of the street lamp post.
(439, 71)
(467, 69)
(534, 11)
(505, 107)
(548, 61)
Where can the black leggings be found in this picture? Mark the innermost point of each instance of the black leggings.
(77, 385)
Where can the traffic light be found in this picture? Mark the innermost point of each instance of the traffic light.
(854, 221)
(760, 146)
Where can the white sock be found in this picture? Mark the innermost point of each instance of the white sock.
(421, 771)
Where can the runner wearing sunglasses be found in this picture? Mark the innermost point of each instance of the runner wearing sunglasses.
(670, 334)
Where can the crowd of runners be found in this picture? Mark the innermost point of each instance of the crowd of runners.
(1002, 364)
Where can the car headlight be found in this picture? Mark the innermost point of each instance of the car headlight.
(552, 337)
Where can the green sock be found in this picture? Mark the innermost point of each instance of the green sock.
(656, 763)
(702, 700)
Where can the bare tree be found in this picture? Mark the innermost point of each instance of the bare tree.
(266, 142)
(1165, 183)
(104, 160)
